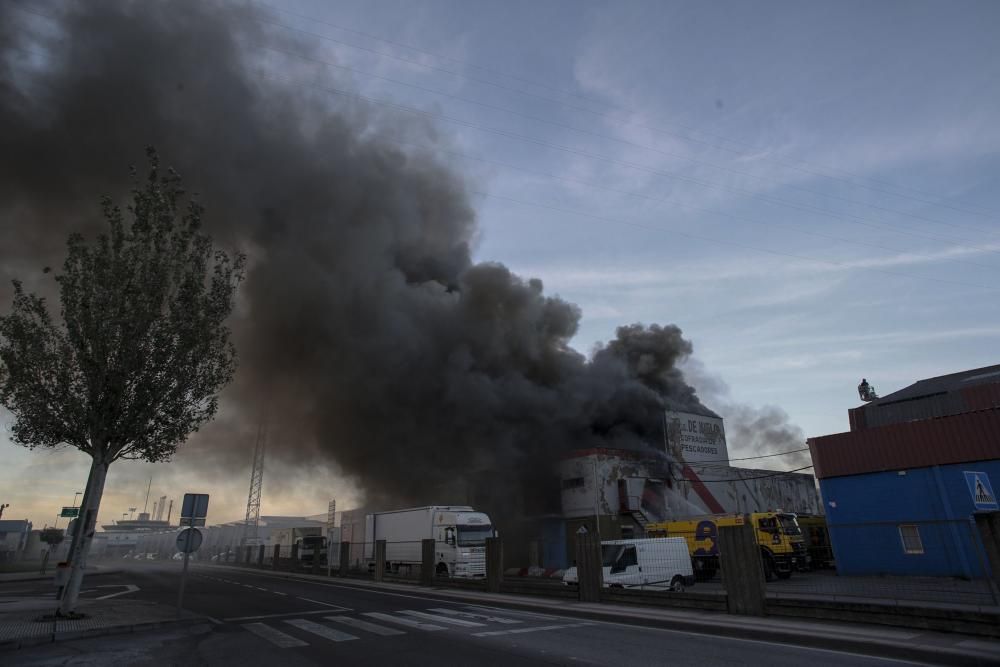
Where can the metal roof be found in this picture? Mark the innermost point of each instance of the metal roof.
(943, 384)
(975, 389)
(971, 436)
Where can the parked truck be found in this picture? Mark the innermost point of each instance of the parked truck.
(817, 538)
(310, 541)
(459, 534)
(778, 535)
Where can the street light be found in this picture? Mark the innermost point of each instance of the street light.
(78, 493)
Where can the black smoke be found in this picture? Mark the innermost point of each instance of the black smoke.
(368, 336)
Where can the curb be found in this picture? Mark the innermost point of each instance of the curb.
(27, 642)
(824, 636)
(49, 577)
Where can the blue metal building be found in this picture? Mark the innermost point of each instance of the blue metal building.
(901, 488)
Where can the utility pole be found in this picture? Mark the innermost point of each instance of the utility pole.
(252, 520)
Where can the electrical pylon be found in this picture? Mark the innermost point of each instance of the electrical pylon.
(256, 485)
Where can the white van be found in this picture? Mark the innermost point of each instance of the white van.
(658, 563)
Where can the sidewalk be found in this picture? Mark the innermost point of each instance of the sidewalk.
(50, 574)
(884, 641)
(19, 627)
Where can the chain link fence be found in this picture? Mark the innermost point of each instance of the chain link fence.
(937, 563)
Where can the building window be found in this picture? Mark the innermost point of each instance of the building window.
(910, 535)
(573, 483)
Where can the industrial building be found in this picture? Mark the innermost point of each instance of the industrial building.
(902, 487)
(15, 540)
(618, 492)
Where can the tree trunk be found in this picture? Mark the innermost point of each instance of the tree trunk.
(83, 536)
(74, 540)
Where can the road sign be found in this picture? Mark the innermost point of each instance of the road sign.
(189, 540)
(195, 506)
(981, 491)
(71, 512)
(582, 530)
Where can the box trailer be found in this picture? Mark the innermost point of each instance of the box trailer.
(459, 534)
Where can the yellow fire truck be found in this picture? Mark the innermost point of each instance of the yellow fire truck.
(782, 548)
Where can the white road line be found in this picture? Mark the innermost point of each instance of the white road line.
(409, 622)
(326, 604)
(485, 617)
(520, 612)
(129, 588)
(280, 593)
(521, 631)
(260, 589)
(442, 619)
(365, 625)
(282, 615)
(320, 630)
(276, 637)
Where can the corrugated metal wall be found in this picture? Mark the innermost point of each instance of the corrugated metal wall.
(973, 436)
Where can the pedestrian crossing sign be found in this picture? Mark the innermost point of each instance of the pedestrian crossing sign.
(981, 490)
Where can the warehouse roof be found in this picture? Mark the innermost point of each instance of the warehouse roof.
(943, 384)
(970, 436)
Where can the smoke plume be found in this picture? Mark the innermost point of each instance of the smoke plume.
(368, 337)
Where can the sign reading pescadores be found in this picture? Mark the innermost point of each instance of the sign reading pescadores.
(695, 438)
(71, 512)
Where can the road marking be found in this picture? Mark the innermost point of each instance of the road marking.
(442, 619)
(485, 617)
(261, 589)
(129, 588)
(280, 593)
(320, 630)
(287, 613)
(409, 622)
(521, 612)
(639, 628)
(326, 604)
(521, 631)
(365, 625)
(276, 637)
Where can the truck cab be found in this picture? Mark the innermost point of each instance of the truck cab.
(460, 543)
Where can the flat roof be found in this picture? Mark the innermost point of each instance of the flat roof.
(969, 436)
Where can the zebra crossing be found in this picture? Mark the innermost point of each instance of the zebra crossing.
(298, 632)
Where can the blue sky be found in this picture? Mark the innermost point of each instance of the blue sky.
(810, 191)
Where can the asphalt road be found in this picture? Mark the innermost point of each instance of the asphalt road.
(262, 619)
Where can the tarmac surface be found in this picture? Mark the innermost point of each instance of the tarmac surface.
(261, 618)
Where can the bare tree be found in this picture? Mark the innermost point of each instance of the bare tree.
(135, 362)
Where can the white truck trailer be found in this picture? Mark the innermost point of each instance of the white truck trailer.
(459, 534)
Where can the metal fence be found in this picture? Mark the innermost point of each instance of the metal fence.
(943, 563)
(873, 563)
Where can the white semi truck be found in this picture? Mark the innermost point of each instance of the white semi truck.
(459, 534)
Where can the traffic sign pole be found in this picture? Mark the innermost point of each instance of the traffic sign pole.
(184, 571)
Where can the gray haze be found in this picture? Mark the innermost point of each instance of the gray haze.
(367, 335)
